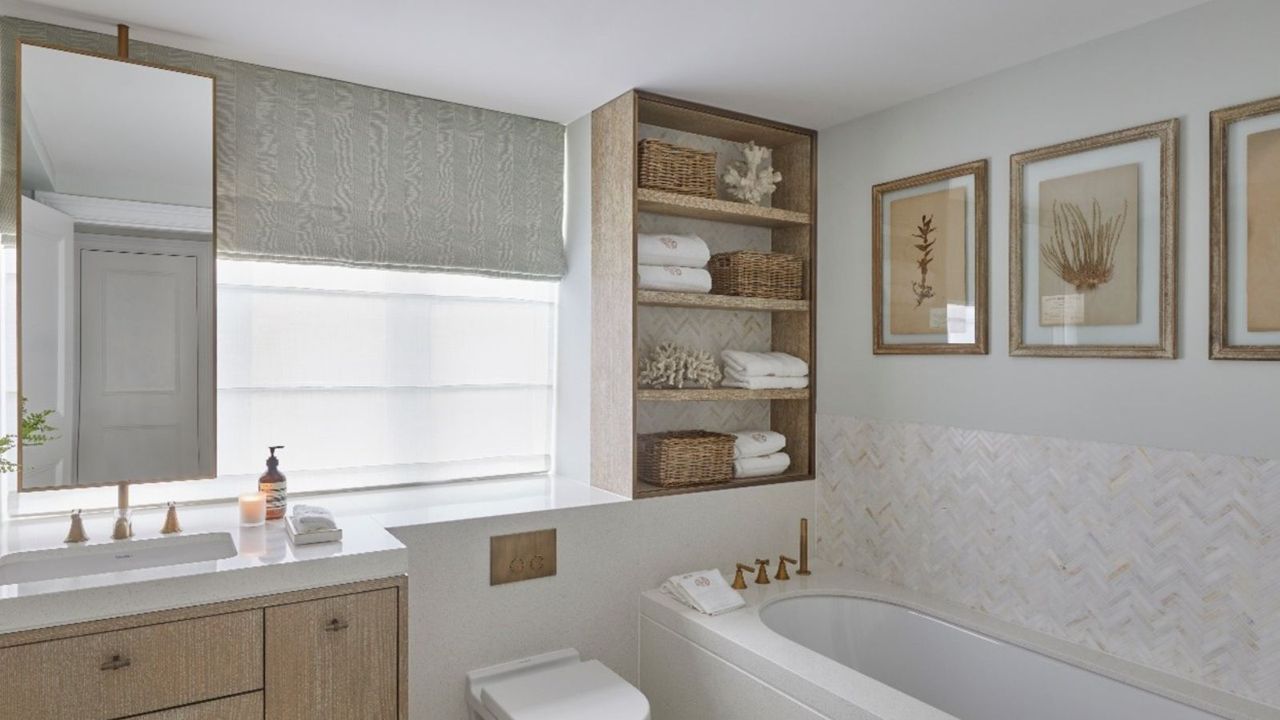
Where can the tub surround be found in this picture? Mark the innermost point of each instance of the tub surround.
(264, 563)
(1155, 556)
(824, 687)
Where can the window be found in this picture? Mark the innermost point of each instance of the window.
(376, 377)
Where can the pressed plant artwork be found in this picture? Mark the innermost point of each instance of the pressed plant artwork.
(1082, 251)
(923, 289)
(1088, 248)
(927, 269)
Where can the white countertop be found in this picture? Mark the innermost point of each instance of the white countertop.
(265, 562)
(741, 638)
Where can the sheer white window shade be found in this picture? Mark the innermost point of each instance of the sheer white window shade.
(376, 377)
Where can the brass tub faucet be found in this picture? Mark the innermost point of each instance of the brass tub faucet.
(782, 568)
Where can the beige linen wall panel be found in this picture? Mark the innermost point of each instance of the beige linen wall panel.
(322, 171)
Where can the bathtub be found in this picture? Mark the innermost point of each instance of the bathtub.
(837, 645)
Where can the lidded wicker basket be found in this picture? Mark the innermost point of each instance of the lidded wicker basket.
(685, 458)
(676, 169)
(747, 273)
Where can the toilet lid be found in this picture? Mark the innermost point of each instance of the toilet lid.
(582, 691)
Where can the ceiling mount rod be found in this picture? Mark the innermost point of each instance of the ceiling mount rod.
(122, 41)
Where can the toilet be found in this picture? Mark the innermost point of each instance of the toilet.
(553, 686)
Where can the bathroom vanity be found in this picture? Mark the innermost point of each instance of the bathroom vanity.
(267, 630)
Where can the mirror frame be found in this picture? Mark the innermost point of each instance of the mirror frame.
(213, 239)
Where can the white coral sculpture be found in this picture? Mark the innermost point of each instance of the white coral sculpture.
(753, 180)
(673, 366)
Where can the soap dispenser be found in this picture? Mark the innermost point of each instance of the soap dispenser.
(272, 485)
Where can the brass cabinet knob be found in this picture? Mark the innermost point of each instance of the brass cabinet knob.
(335, 625)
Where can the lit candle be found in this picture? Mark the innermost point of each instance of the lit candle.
(253, 509)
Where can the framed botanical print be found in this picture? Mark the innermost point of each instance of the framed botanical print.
(1093, 246)
(1244, 258)
(929, 263)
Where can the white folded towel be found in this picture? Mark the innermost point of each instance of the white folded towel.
(755, 443)
(674, 279)
(682, 250)
(704, 591)
(774, 464)
(765, 382)
(312, 518)
(756, 364)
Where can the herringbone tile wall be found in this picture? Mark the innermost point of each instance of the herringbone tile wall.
(1166, 558)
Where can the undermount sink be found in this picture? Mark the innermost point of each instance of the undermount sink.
(109, 557)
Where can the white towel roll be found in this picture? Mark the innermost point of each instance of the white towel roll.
(765, 382)
(757, 443)
(774, 464)
(680, 250)
(674, 279)
(757, 364)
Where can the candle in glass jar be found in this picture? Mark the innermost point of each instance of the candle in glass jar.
(253, 509)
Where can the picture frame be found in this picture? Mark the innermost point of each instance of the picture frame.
(930, 275)
(1244, 236)
(1093, 246)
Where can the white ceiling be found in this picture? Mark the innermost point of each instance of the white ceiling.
(117, 130)
(815, 63)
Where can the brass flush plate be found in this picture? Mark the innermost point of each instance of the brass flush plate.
(522, 556)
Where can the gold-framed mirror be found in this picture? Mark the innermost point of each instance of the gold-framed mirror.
(115, 270)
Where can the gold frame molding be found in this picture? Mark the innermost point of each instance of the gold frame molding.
(1220, 121)
(979, 170)
(1166, 131)
(122, 45)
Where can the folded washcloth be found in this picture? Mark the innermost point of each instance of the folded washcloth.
(704, 591)
(765, 382)
(674, 279)
(756, 443)
(311, 518)
(682, 250)
(774, 464)
(757, 364)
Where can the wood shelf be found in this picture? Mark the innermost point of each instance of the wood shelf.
(719, 394)
(718, 302)
(645, 490)
(665, 203)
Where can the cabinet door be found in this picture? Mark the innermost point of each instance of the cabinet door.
(334, 658)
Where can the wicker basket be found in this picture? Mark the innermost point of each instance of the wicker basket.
(685, 458)
(676, 169)
(756, 274)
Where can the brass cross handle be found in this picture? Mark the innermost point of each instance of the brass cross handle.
(782, 568)
(762, 576)
(739, 582)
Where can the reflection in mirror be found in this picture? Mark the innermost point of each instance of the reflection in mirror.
(115, 271)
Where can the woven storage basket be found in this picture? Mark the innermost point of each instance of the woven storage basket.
(756, 274)
(685, 458)
(676, 169)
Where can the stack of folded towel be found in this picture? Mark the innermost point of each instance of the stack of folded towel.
(674, 263)
(757, 453)
(309, 524)
(764, 371)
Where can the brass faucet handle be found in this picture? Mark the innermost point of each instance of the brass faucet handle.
(762, 576)
(171, 524)
(739, 582)
(76, 534)
(782, 568)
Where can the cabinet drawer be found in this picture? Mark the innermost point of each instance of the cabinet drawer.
(240, 707)
(139, 670)
(334, 658)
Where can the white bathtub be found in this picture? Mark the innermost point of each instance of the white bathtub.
(838, 645)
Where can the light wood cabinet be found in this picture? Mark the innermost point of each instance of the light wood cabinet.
(330, 653)
(333, 658)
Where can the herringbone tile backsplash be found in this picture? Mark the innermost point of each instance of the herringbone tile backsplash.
(1165, 558)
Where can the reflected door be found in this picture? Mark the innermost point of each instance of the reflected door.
(139, 349)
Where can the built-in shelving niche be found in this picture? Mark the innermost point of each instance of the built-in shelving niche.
(628, 321)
